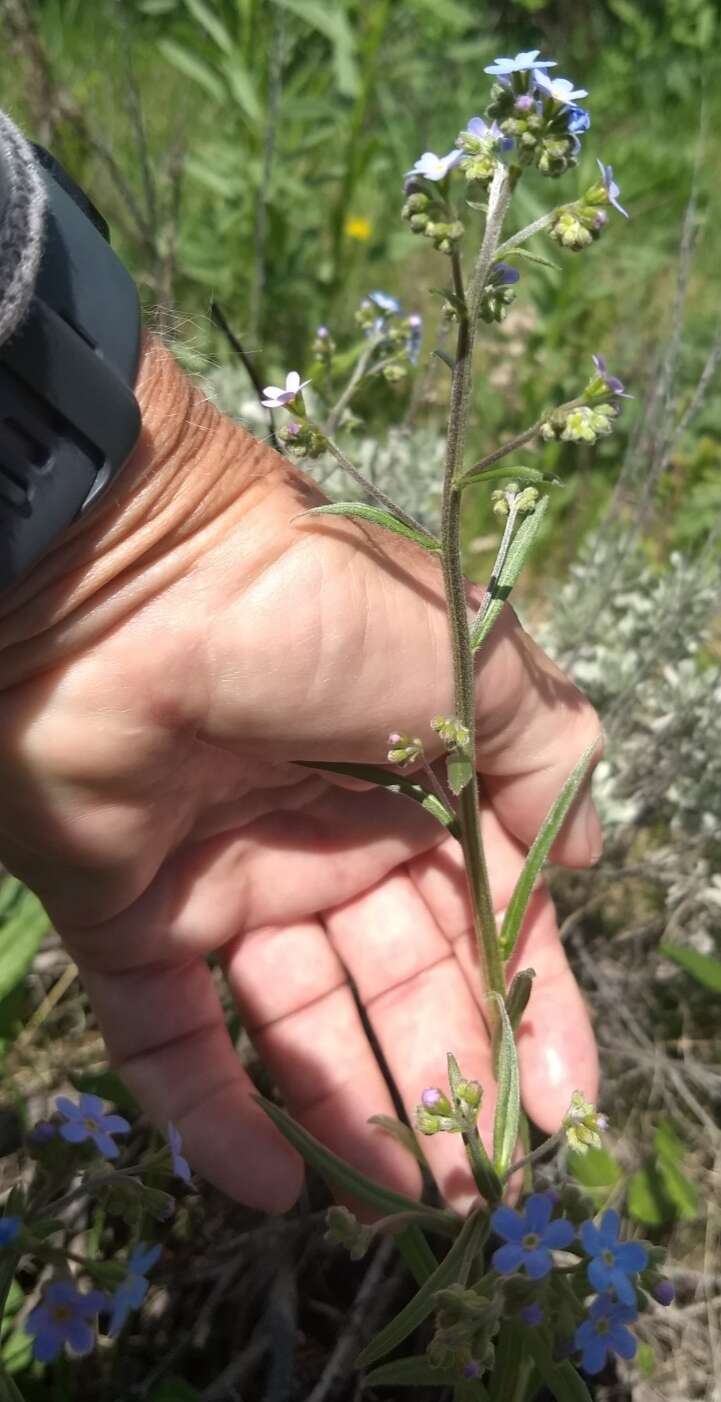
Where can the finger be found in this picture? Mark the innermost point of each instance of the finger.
(306, 1027)
(164, 1029)
(419, 1005)
(557, 1049)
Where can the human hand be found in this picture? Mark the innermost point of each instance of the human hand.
(161, 672)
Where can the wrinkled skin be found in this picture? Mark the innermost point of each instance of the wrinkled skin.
(161, 671)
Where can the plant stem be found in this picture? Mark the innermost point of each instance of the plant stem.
(498, 564)
(362, 364)
(374, 491)
(484, 1174)
(535, 1155)
(523, 235)
(484, 920)
(518, 442)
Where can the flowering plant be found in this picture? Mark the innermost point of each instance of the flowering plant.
(527, 1295)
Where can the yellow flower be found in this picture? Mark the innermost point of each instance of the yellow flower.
(358, 227)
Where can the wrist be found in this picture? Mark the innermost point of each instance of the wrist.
(193, 473)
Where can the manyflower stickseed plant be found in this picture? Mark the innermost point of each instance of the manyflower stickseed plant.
(516, 1297)
(507, 1270)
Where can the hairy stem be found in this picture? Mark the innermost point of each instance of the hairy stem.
(463, 669)
(523, 235)
(362, 365)
(374, 491)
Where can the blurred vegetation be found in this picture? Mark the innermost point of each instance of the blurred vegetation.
(252, 151)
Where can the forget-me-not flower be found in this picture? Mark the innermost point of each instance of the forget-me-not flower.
(577, 119)
(615, 386)
(134, 1287)
(530, 1237)
(64, 1316)
(501, 67)
(390, 305)
(605, 1332)
(560, 89)
(612, 1261)
(274, 397)
(612, 189)
(87, 1120)
(433, 167)
(9, 1228)
(180, 1165)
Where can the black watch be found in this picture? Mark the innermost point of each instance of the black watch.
(69, 419)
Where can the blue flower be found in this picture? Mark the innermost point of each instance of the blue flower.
(503, 275)
(612, 1261)
(9, 1228)
(87, 1120)
(389, 305)
(64, 1316)
(530, 1237)
(664, 1292)
(615, 386)
(181, 1167)
(532, 1315)
(604, 1332)
(501, 67)
(577, 119)
(42, 1132)
(612, 189)
(132, 1290)
(433, 167)
(560, 89)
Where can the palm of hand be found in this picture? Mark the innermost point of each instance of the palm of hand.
(155, 807)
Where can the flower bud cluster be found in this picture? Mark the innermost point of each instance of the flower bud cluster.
(324, 346)
(467, 1321)
(302, 439)
(540, 114)
(381, 316)
(404, 749)
(427, 216)
(480, 145)
(578, 225)
(344, 1229)
(498, 294)
(581, 424)
(451, 731)
(583, 1125)
(513, 497)
(437, 1113)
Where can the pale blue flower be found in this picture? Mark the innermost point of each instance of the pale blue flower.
(134, 1287)
(432, 167)
(577, 119)
(87, 1120)
(181, 1167)
(501, 67)
(560, 89)
(390, 305)
(612, 189)
(605, 1332)
(275, 397)
(64, 1316)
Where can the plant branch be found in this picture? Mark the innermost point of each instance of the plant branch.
(372, 490)
(535, 1156)
(342, 403)
(523, 235)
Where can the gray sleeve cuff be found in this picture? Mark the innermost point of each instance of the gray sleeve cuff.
(22, 225)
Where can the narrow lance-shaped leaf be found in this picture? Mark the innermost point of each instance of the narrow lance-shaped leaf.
(335, 1170)
(518, 904)
(513, 474)
(363, 511)
(402, 1133)
(702, 967)
(417, 1254)
(397, 783)
(455, 1266)
(515, 560)
(418, 1372)
(508, 1102)
(562, 1379)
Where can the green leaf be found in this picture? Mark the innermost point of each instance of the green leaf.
(16, 1351)
(597, 1171)
(508, 1103)
(9, 1390)
(536, 258)
(553, 822)
(515, 560)
(211, 23)
(561, 1379)
(679, 1189)
(455, 1266)
(193, 67)
(336, 1171)
(412, 1372)
(402, 1133)
(460, 769)
(646, 1199)
(332, 22)
(361, 511)
(375, 774)
(701, 967)
(242, 88)
(22, 927)
(515, 474)
(417, 1254)
(108, 1085)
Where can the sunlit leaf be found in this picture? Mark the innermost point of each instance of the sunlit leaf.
(553, 822)
(518, 473)
(210, 21)
(23, 924)
(508, 1099)
(702, 967)
(361, 511)
(460, 769)
(375, 774)
(521, 546)
(192, 67)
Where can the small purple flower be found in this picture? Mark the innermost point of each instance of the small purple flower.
(42, 1132)
(64, 1316)
(612, 1261)
(322, 333)
(472, 1369)
(9, 1228)
(614, 386)
(478, 127)
(532, 1315)
(525, 103)
(605, 1332)
(274, 397)
(577, 119)
(293, 428)
(560, 89)
(431, 1097)
(390, 305)
(87, 1120)
(134, 1287)
(501, 67)
(503, 274)
(530, 1237)
(612, 189)
(433, 167)
(664, 1292)
(181, 1167)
